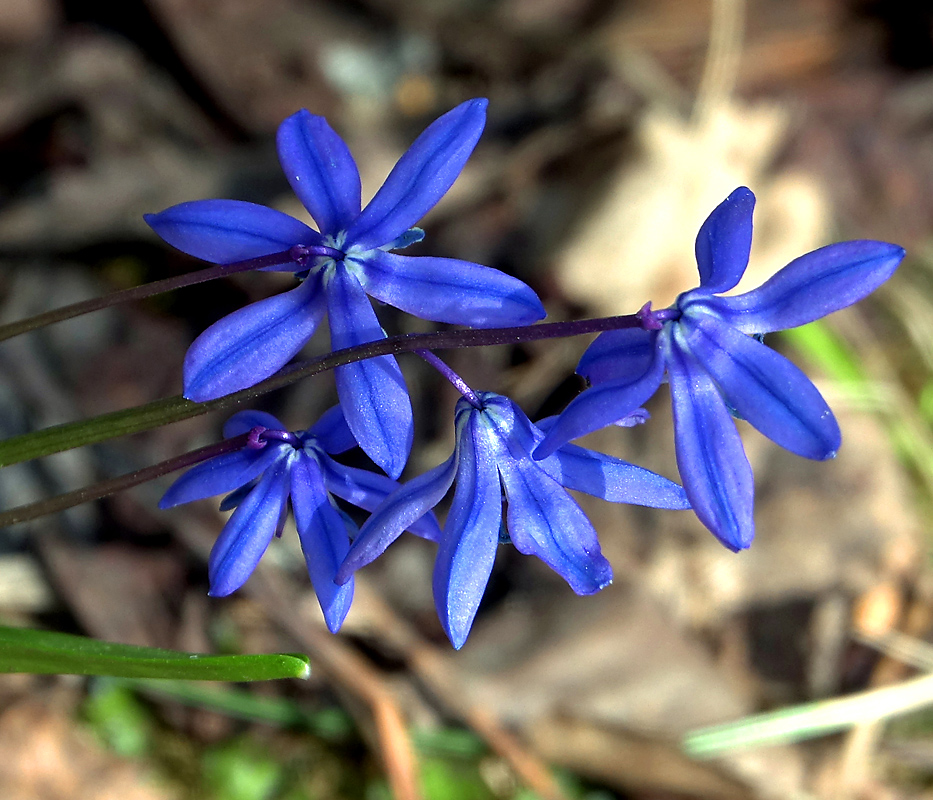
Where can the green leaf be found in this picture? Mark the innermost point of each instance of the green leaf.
(241, 771)
(328, 723)
(121, 721)
(174, 409)
(827, 350)
(51, 653)
(98, 429)
(810, 720)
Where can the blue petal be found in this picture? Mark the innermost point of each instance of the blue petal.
(544, 521)
(248, 532)
(244, 421)
(252, 343)
(716, 474)
(220, 475)
(471, 534)
(725, 241)
(602, 405)
(367, 490)
(320, 169)
(324, 540)
(810, 287)
(225, 231)
(232, 500)
(764, 388)
(613, 479)
(619, 355)
(372, 392)
(421, 177)
(332, 432)
(396, 514)
(448, 290)
(585, 470)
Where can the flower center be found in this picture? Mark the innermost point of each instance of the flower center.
(259, 437)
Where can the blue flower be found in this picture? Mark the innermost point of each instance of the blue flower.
(275, 465)
(711, 349)
(253, 343)
(492, 453)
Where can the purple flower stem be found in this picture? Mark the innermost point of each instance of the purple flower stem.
(96, 491)
(152, 415)
(458, 383)
(299, 254)
(185, 409)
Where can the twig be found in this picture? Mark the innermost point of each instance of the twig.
(436, 673)
(343, 666)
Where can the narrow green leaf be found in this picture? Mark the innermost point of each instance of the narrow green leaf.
(827, 350)
(97, 429)
(812, 719)
(328, 723)
(51, 653)
(174, 409)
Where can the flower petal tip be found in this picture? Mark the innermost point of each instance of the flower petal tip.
(457, 637)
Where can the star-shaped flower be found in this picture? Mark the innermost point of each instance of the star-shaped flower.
(492, 453)
(711, 348)
(274, 465)
(253, 343)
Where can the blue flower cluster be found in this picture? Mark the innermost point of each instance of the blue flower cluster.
(709, 346)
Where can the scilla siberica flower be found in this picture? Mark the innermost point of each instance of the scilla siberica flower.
(718, 367)
(253, 343)
(492, 453)
(274, 465)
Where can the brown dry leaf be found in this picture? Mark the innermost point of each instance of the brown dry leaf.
(638, 243)
(46, 756)
(260, 60)
(119, 594)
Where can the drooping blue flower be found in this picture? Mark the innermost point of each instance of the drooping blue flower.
(492, 454)
(260, 478)
(711, 348)
(256, 341)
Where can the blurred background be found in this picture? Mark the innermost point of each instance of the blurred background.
(615, 126)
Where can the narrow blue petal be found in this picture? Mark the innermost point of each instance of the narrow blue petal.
(320, 169)
(716, 474)
(764, 388)
(332, 432)
(471, 534)
(421, 177)
(244, 421)
(619, 355)
(225, 231)
(324, 539)
(372, 392)
(596, 473)
(252, 343)
(396, 514)
(544, 521)
(810, 287)
(368, 490)
(725, 241)
(248, 532)
(232, 500)
(613, 479)
(602, 405)
(448, 290)
(220, 475)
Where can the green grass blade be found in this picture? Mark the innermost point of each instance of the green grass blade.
(51, 653)
(811, 720)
